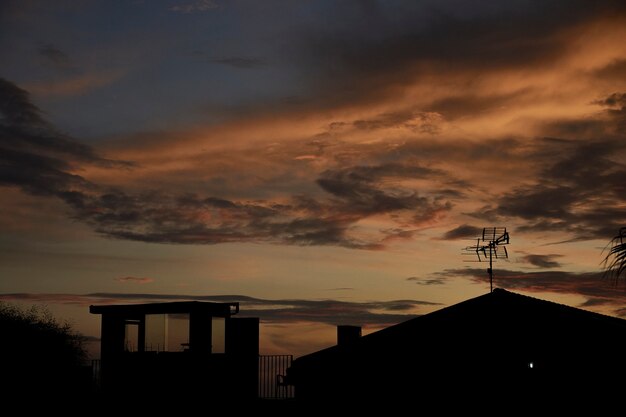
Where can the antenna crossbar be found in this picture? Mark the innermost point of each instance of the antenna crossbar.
(490, 246)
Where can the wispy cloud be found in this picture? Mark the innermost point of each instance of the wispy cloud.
(405, 49)
(240, 62)
(354, 194)
(391, 139)
(427, 281)
(419, 122)
(464, 231)
(374, 313)
(136, 280)
(579, 191)
(614, 70)
(194, 6)
(170, 218)
(590, 285)
(54, 56)
(542, 261)
(613, 101)
(74, 85)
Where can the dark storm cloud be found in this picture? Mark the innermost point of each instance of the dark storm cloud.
(591, 285)
(580, 190)
(316, 231)
(41, 161)
(589, 166)
(331, 312)
(542, 201)
(464, 231)
(16, 108)
(23, 128)
(36, 174)
(553, 205)
(33, 154)
(161, 218)
(573, 174)
(359, 189)
(542, 261)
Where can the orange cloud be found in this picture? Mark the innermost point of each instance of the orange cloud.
(436, 133)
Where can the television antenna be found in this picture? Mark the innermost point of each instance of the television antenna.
(490, 246)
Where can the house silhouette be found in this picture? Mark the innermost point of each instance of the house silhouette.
(499, 345)
(192, 351)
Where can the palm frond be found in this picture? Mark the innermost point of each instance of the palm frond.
(614, 262)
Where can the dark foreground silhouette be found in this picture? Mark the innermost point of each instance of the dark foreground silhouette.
(501, 346)
(40, 357)
(499, 353)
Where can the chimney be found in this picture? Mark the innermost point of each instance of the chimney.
(346, 334)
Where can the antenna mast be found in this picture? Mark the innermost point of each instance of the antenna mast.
(488, 248)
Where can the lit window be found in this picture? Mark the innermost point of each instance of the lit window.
(218, 335)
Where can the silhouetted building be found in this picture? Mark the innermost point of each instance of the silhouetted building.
(184, 350)
(347, 334)
(499, 345)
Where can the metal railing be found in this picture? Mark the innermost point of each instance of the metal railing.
(95, 373)
(272, 371)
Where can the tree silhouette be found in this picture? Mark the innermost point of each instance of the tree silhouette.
(39, 356)
(615, 260)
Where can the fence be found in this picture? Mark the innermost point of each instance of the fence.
(272, 370)
(95, 373)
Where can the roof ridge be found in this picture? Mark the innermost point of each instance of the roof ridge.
(505, 291)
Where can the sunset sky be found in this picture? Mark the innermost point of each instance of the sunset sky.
(322, 162)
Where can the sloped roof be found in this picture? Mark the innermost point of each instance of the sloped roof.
(497, 313)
